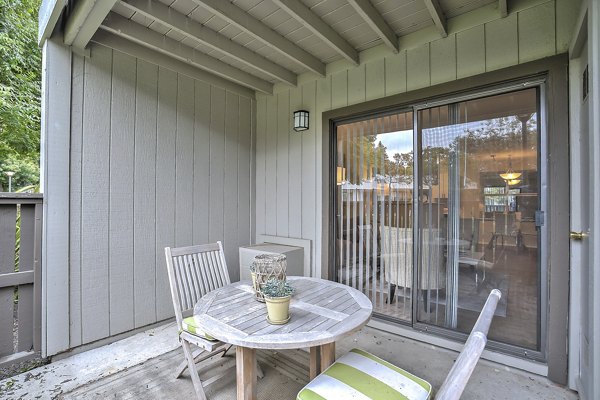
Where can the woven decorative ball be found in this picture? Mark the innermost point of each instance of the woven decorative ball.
(265, 267)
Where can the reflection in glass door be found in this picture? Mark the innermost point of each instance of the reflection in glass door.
(474, 216)
(479, 193)
(374, 208)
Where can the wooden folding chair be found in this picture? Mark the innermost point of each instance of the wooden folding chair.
(359, 374)
(193, 272)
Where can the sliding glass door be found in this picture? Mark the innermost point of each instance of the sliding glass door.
(470, 200)
(374, 210)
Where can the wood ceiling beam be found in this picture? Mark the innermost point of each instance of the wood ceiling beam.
(320, 28)
(189, 27)
(244, 21)
(503, 8)
(85, 20)
(137, 33)
(107, 39)
(437, 14)
(374, 19)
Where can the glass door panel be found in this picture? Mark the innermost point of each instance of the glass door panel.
(373, 208)
(478, 197)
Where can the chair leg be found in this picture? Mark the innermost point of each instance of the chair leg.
(199, 355)
(181, 369)
(391, 294)
(187, 351)
(226, 350)
(259, 371)
(184, 364)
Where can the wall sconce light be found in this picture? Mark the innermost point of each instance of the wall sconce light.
(300, 120)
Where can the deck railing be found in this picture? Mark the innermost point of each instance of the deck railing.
(20, 276)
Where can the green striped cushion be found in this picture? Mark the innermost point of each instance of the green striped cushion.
(189, 325)
(363, 376)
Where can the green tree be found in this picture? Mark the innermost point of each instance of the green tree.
(20, 87)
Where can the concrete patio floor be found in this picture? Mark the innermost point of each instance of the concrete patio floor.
(142, 366)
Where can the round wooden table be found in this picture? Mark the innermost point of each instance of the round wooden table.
(321, 312)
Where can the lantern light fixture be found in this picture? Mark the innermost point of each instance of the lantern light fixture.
(300, 120)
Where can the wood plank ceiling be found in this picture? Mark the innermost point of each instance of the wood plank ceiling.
(257, 43)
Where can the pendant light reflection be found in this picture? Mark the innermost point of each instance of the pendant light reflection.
(510, 175)
(341, 176)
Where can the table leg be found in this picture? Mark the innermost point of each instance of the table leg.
(245, 360)
(315, 362)
(327, 355)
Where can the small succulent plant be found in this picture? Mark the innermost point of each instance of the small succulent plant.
(277, 288)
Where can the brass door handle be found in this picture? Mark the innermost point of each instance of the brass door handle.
(577, 235)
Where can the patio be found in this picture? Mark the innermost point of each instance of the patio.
(414, 154)
(142, 366)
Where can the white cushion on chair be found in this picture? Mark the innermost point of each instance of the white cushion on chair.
(363, 376)
(189, 325)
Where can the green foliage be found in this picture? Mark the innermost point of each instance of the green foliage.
(494, 136)
(20, 88)
(26, 168)
(277, 288)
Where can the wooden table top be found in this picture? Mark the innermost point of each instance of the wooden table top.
(321, 312)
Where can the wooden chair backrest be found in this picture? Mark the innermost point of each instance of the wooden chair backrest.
(461, 371)
(193, 272)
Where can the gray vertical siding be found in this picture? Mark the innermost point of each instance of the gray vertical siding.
(289, 164)
(157, 159)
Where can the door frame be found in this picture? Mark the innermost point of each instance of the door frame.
(539, 82)
(587, 31)
(576, 49)
(557, 242)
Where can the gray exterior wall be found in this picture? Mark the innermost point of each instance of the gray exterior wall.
(156, 159)
(290, 166)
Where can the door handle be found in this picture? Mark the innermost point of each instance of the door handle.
(577, 235)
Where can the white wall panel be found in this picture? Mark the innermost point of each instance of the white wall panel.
(158, 159)
(166, 135)
(478, 42)
(57, 70)
(443, 60)
(339, 89)
(75, 202)
(121, 217)
(261, 163)
(357, 85)
(501, 43)
(230, 186)
(537, 32)
(201, 162)
(184, 167)
(470, 52)
(270, 173)
(144, 194)
(395, 73)
(294, 182)
(309, 170)
(375, 78)
(217, 164)
(418, 71)
(95, 187)
(283, 124)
